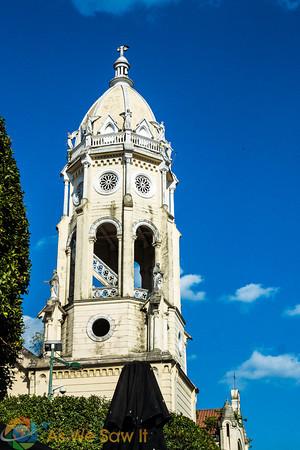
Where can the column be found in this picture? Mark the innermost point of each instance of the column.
(127, 175)
(66, 195)
(68, 268)
(164, 187)
(171, 196)
(87, 282)
(127, 287)
(86, 162)
(119, 236)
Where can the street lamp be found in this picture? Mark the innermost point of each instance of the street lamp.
(62, 389)
(56, 346)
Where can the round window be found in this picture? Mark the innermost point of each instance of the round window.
(108, 182)
(143, 185)
(99, 328)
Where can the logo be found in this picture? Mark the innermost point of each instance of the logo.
(20, 433)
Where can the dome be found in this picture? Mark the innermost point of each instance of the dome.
(121, 110)
(107, 113)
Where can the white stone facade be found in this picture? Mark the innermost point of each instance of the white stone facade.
(116, 296)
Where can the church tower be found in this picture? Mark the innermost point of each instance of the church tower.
(115, 294)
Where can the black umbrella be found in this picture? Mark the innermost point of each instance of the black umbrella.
(137, 412)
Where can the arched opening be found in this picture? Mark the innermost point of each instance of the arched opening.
(240, 445)
(106, 245)
(227, 430)
(143, 132)
(72, 266)
(109, 128)
(144, 256)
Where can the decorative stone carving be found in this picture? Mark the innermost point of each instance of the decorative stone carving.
(127, 119)
(127, 200)
(141, 294)
(157, 278)
(71, 137)
(104, 273)
(105, 292)
(107, 182)
(54, 286)
(143, 185)
(162, 131)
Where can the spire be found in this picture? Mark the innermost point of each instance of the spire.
(121, 66)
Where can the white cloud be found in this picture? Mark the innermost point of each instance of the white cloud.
(292, 312)
(118, 7)
(252, 292)
(187, 287)
(32, 326)
(44, 242)
(192, 357)
(291, 5)
(260, 366)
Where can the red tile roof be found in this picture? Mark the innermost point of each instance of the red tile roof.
(203, 414)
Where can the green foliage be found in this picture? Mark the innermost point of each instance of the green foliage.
(75, 423)
(211, 424)
(69, 419)
(183, 434)
(14, 260)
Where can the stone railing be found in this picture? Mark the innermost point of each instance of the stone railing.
(104, 140)
(108, 139)
(103, 273)
(144, 142)
(105, 292)
(141, 294)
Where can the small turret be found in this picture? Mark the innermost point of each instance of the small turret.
(121, 66)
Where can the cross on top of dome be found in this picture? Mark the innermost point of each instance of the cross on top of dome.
(121, 66)
(122, 49)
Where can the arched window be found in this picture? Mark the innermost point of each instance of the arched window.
(240, 445)
(106, 245)
(109, 128)
(227, 430)
(143, 131)
(144, 255)
(72, 267)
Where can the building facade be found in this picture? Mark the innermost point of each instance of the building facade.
(226, 424)
(115, 293)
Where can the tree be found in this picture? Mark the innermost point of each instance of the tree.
(14, 260)
(182, 433)
(36, 343)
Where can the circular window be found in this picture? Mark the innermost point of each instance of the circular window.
(143, 185)
(100, 328)
(108, 182)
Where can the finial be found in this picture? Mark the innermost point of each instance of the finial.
(121, 66)
(122, 49)
(234, 380)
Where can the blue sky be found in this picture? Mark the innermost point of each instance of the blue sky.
(224, 76)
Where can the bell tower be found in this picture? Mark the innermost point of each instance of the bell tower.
(116, 292)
